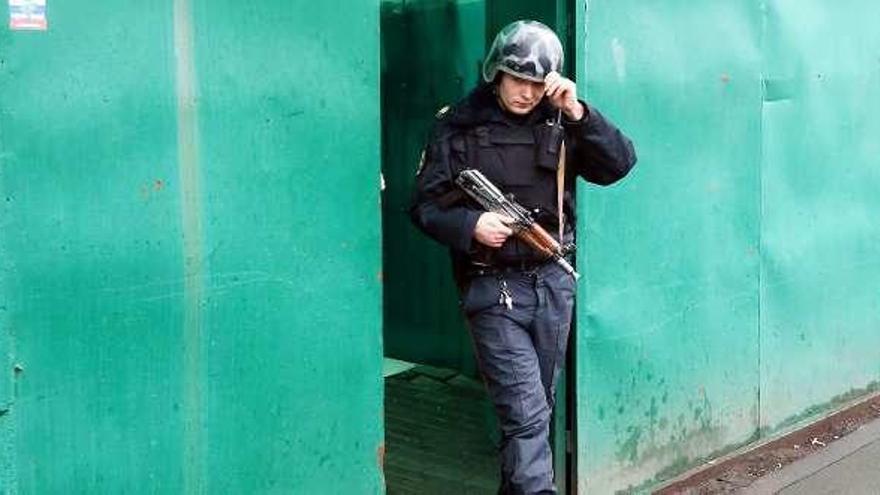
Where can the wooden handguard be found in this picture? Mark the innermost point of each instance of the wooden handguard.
(540, 240)
(535, 236)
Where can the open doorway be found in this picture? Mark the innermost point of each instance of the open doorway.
(441, 432)
(438, 422)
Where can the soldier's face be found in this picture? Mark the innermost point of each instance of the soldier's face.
(517, 95)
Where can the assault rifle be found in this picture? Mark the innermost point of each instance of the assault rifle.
(524, 226)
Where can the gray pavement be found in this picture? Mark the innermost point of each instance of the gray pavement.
(849, 466)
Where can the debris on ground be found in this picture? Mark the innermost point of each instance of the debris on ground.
(736, 473)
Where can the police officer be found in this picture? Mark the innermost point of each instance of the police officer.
(519, 306)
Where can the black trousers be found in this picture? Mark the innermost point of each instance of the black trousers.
(520, 350)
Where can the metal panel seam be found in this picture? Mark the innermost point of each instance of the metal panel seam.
(193, 268)
(762, 82)
(8, 450)
(578, 482)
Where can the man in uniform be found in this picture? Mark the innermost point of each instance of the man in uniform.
(518, 304)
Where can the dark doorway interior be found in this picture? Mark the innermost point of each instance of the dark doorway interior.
(440, 429)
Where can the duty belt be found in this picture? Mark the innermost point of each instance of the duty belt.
(513, 266)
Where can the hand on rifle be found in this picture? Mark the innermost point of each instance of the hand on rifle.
(492, 229)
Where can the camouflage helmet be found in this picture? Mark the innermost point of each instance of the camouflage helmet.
(526, 49)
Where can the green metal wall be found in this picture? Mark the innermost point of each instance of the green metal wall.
(190, 284)
(820, 317)
(729, 281)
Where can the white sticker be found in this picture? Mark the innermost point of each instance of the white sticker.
(27, 15)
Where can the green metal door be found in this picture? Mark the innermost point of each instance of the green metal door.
(668, 320)
(190, 285)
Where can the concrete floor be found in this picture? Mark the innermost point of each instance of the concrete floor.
(439, 434)
(850, 466)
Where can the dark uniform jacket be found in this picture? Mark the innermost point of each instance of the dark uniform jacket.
(519, 154)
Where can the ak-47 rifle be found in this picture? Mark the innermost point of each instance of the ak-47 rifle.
(524, 227)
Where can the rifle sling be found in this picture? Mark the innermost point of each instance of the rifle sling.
(560, 191)
(471, 152)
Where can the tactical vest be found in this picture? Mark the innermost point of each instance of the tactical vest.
(521, 160)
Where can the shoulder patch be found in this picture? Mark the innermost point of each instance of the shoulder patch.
(442, 112)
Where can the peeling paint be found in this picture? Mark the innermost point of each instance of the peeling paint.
(380, 456)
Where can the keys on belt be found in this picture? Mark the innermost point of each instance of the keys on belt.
(505, 299)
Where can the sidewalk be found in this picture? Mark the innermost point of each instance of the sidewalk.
(838, 454)
(849, 466)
